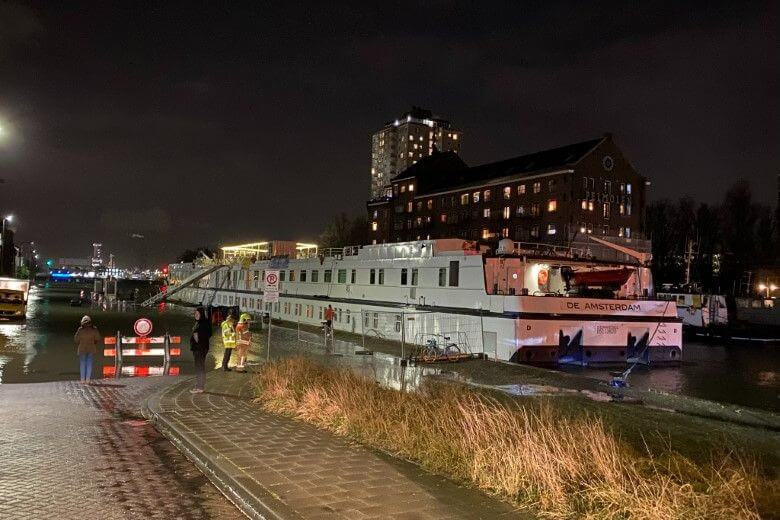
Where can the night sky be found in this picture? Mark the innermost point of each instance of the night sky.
(205, 123)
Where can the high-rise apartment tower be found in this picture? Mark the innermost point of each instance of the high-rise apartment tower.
(404, 141)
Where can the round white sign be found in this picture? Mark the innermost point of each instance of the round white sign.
(142, 326)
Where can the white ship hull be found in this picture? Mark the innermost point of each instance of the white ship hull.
(413, 290)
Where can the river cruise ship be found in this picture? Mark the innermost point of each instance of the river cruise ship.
(527, 303)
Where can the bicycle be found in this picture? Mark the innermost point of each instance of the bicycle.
(432, 351)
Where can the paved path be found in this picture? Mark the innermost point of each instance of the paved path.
(69, 451)
(285, 468)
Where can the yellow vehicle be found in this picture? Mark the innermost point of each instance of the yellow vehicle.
(13, 298)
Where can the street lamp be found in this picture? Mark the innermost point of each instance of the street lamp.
(768, 287)
(9, 219)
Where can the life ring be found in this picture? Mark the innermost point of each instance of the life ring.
(542, 278)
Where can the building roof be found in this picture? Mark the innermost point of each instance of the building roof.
(445, 171)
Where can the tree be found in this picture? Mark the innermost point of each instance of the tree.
(190, 255)
(343, 231)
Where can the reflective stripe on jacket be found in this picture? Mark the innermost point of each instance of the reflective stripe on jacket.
(228, 334)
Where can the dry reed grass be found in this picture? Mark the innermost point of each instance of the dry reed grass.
(560, 466)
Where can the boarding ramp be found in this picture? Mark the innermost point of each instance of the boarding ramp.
(194, 277)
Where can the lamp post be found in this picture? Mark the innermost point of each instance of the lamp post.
(9, 219)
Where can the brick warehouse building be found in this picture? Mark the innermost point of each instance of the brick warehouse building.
(549, 196)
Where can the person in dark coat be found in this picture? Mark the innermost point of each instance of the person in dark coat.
(199, 345)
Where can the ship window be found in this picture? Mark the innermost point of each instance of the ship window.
(315, 276)
(342, 276)
(328, 276)
(454, 271)
(281, 276)
(404, 276)
(353, 276)
(366, 320)
(414, 276)
(292, 275)
(303, 275)
(381, 277)
(372, 277)
(398, 323)
(442, 276)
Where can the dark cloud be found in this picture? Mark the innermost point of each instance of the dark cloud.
(239, 124)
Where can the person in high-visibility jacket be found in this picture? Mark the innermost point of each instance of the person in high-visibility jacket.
(244, 340)
(228, 340)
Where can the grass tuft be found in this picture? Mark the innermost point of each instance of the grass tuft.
(559, 465)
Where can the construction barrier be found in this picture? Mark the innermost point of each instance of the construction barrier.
(141, 348)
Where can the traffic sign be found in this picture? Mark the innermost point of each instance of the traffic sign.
(271, 288)
(143, 326)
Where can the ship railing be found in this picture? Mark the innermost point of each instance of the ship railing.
(537, 248)
(340, 252)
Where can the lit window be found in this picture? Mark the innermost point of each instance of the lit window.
(582, 228)
(454, 137)
(507, 192)
(411, 138)
(486, 212)
(590, 205)
(620, 231)
(628, 232)
(622, 209)
(464, 199)
(411, 187)
(505, 232)
(485, 234)
(421, 138)
(403, 188)
(584, 204)
(415, 146)
(507, 212)
(374, 226)
(443, 218)
(486, 195)
(521, 189)
(521, 210)
(409, 207)
(476, 196)
(550, 229)
(628, 188)
(605, 211)
(552, 205)
(376, 214)
(411, 154)
(537, 187)
(430, 204)
(628, 209)
(608, 186)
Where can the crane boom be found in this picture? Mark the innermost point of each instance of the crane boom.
(644, 258)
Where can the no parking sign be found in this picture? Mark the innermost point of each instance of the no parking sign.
(142, 327)
(271, 288)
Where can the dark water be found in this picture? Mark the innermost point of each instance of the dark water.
(741, 374)
(41, 349)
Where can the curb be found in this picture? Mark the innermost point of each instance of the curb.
(252, 499)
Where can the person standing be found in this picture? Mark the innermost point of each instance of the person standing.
(228, 340)
(199, 345)
(87, 339)
(243, 340)
(329, 314)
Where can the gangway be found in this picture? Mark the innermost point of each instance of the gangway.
(191, 279)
